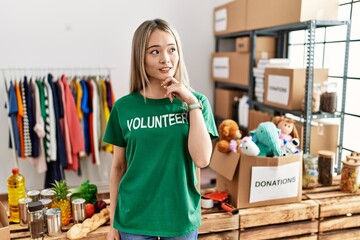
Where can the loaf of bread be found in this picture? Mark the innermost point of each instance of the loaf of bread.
(80, 230)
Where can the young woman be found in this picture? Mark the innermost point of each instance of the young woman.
(161, 133)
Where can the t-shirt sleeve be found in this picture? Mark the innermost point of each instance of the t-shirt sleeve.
(113, 133)
(209, 118)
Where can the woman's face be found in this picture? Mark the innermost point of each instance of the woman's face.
(161, 57)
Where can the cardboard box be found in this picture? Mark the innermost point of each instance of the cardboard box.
(257, 117)
(269, 13)
(4, 224)
(324, 136)
(258, 181)
(224, 99)
(231, 67)
(265, 46)
(230, 17)
(285, 87)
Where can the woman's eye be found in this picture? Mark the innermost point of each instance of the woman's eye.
(154, 52)
(172, 49)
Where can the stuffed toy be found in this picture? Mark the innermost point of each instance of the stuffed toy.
(229, 136)
(248, 147)
(287, 127)
(266, 137)
(290, 147)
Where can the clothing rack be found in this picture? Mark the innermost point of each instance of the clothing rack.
(13, 72)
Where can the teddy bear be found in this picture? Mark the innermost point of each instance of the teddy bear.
(287, 127)
(229, 136)
(266, 137)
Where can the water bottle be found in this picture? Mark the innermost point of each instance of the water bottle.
(16, 191)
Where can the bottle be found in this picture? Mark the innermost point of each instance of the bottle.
(16, 191)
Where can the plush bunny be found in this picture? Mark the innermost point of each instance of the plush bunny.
(248, 147)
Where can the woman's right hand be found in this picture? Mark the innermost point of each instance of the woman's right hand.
(113, 234)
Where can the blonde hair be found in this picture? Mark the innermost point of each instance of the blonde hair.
(138, 77)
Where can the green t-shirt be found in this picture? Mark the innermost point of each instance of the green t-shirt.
(157, 194)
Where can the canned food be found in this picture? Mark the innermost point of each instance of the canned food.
(78, 210)
(53, 221)
(34, 195)
(47, 193)
(23, 211)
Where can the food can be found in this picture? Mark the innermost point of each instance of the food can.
(23, 211)
(78, 210)
(47, 193)
(34, 195)
(53, 221)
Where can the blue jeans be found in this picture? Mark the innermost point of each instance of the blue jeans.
(127, 236)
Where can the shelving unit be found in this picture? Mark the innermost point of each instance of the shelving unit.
(282, 35)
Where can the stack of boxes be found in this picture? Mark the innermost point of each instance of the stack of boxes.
(236, 174)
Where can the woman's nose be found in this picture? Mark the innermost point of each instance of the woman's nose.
(164, 58)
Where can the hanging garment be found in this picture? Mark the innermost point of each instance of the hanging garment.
(65, 128)
(91, 120)
(51, 115)
(31, 117)
(27, 140)
(40, 161)
(44, 113)
(86, 111)
(21, 152)
(95, 121)
(60, 144)
(76, 138)
(13, 111)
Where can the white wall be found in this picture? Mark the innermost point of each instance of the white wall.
(90, 33)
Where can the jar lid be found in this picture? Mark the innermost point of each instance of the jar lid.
(35, 206)
(326, 153)
(24, 200)
(45, 201)
(33, 192)
(78, 201)
(47, 192)
(352, 161)
(53, 211)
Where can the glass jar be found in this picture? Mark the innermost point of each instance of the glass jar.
(311, 173)
(36, 220)
(325, 164)
(328, 98)
(350, 178)
(316, 97)
(315, 103)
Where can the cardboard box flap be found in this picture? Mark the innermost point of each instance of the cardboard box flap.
(273, 162)
(4, 228)
(3, 216)
(224, 163)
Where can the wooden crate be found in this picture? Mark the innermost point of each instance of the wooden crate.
(215, 220)
(228, 235)
(285, 221)
(339, 213)
(18, 232)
